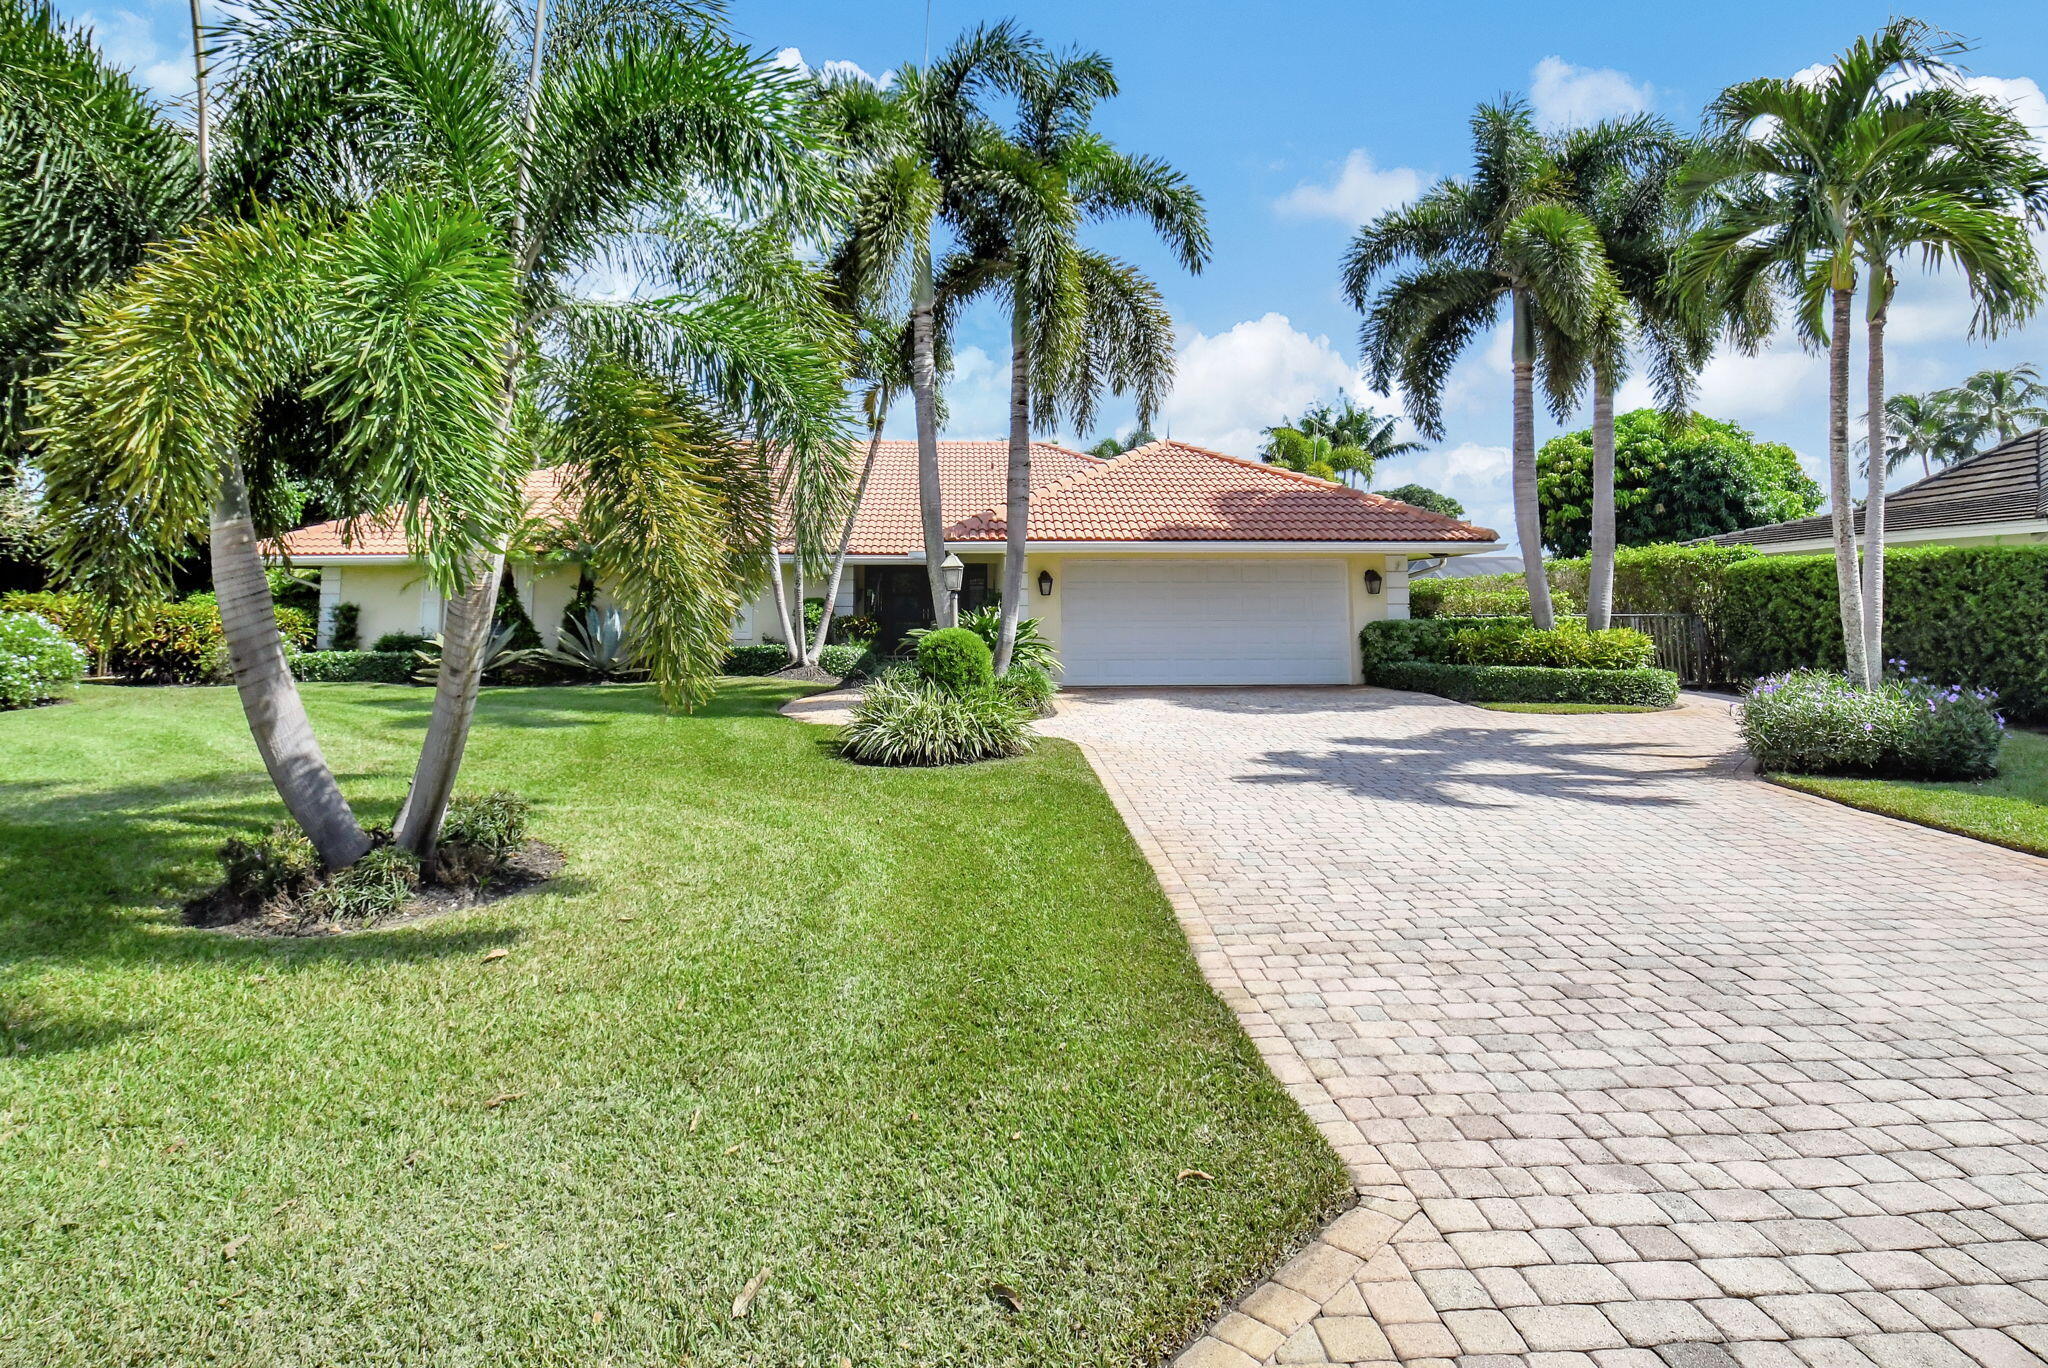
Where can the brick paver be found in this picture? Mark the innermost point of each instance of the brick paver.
(1636, 1062)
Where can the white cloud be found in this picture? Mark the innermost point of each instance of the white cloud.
(2022, 94)
(1567, 96)
(1474, 474)
(1361, 191)
(792, 59)
(1263, 371)
(977, 396)
(128, 41)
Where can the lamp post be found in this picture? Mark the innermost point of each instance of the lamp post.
(951, 573)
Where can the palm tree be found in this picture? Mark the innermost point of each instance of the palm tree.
(1809, 185)
(1445, 264)
(578, 133)
(2004, 403)
(1342, 438)
(1080, 321)
(1619, 174)
(910, 149)
(1930, 427)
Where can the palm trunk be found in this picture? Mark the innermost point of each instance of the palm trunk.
(846, 533)
(799, 645)
(924, 392)
(1873, 502)
(1528, 515)
(1017, 506)
(780, 594)
(263, 678)
(1848, 587)
(1600, 566)
(248, 620)
(467, 620)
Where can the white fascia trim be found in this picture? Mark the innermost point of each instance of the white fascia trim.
(1226, 548)
(2022, 527)
(343, 559)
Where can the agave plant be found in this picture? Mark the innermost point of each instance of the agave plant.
(595, 644)
(502, 660)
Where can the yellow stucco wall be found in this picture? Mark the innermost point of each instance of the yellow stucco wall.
(398, 598)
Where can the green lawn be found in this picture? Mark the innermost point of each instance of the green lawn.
(897, 1038)
(2009, 810)
(1569, 708)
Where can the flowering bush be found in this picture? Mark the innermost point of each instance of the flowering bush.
(1814, 722)
(36, 662)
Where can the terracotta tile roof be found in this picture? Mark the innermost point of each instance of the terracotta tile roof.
(1172, 491)
(1165, 491)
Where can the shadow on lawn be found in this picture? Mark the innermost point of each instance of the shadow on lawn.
(576, 705)
(1515, 763)
(92, 877)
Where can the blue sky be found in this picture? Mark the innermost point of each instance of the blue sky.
(1298, 121)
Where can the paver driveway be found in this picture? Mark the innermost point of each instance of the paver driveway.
(1635, 1060)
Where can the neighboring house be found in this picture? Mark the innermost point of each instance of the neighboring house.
(1995, 498)
(1168, 564)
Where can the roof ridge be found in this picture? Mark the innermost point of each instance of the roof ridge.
(1084, 474)
(1313, 481)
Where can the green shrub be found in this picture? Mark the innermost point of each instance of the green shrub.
(1530, 683)
(76, 617)
(1476, 596)
(348, 628)
(354, 667)
(1975, 615)
(906, 719)
(764, 659)
(258, 868)
(1816, 722)
(850, 661)
(480, 830)
(956, 658)
(1030, 648)
(372, 888)
(1567, 646)
(1030, 688)
(37, 664)
(403, 642)
(1422, 638)
(854, 629)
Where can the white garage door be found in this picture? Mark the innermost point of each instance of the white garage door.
(1204, 620)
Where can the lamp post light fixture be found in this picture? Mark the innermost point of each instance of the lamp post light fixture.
(1045, 584)
(1373, 581)
(951, 572)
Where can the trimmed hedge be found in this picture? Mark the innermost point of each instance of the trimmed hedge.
(757, 660)
(1530, 683)
(956, 659)
(852, 660)
(1975, 616)
(354, 667)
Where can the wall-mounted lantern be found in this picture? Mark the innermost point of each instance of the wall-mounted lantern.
(1373, 581)
(1045, 584)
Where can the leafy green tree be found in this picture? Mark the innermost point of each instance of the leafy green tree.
(1422, 496)
(1702, 479)
(1434, 275)
(1813, 187)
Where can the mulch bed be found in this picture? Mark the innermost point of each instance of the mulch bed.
(531, 866)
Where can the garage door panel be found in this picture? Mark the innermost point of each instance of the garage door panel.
(1187, 620)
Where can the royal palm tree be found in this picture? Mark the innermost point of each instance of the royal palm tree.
(579, 133)
(1445, 264)
(1342, 439)
(1619, 174)
(909, 150)
(1810, 186)
(1081, 322)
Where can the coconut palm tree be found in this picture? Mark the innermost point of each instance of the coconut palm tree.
(581, 133)
(1445, 264)
(1811, 185)
(1619, 175)
(2001, 403)
(910, 150)
(1930, 427)
(1081, 322)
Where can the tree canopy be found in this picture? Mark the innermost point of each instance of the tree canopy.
(1704, 478)
(1422, 496)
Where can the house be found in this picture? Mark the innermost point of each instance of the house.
(1169, 564)
(1995, 498)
